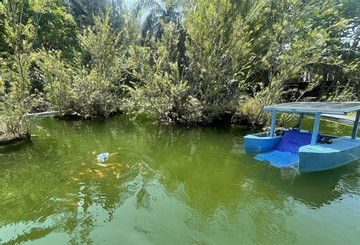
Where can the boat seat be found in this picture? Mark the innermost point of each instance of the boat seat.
(286, 152)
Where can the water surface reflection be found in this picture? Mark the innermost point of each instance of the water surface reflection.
(161, 185)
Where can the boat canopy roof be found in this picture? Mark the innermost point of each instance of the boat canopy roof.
(336, 108)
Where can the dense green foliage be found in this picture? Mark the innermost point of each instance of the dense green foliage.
(20, 33)
(90, 91)
(188, 62)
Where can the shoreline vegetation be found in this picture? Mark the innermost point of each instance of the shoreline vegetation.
(7, 139)
(199, 62)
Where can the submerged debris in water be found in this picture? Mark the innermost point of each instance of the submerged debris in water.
(102, 157)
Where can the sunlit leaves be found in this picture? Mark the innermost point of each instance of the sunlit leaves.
(162, 91)
(91, 91)
(20, 35)
(40, 6)
(219, 50)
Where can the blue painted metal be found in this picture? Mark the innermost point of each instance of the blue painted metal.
(336, 108)
(273, 121)
(260, 142)
(300, 121)
(341, 151)
(316, 128)
(356, 125)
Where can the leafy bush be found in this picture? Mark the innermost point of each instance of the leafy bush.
(160, 90)
(16, 99)
(91, 91)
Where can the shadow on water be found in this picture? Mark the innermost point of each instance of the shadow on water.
(319, 188)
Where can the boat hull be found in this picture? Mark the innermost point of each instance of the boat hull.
(322, 157)
(255, 143)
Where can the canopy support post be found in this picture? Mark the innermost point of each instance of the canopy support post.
(301, 120)
(356, 125)
(273, 121)
(316, 128)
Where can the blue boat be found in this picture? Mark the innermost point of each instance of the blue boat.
(305, 150)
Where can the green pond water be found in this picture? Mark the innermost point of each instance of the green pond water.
(166, 185)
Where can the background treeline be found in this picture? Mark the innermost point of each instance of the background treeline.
(185, 62)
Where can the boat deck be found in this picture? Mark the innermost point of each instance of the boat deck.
(337, 145)
(286, 153)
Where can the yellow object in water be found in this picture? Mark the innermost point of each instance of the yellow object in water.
(101, 175)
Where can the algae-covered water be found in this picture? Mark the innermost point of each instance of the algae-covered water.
(166, 185)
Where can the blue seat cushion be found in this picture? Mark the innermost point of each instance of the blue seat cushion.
(286, 152)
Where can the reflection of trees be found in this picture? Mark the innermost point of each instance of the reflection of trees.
(55, 186)
(197, 169)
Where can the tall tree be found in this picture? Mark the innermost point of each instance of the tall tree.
(84, 11)
(91, 91)
(218, 48)
(296, 37)
(57, 31)
(154, 12)
(20, 34)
